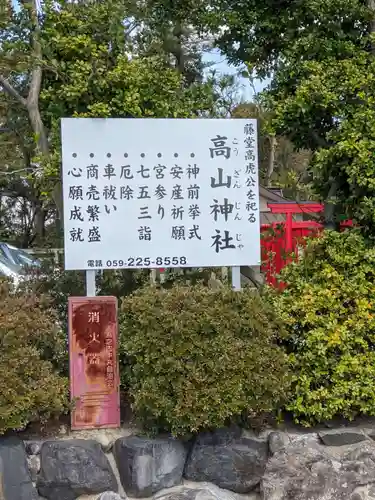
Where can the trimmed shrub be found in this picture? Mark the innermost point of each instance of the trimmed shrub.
(30, 389)
(328, 308)
(195, 358)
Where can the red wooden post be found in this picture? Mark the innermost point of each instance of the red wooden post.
(289, 233)
(94, 373)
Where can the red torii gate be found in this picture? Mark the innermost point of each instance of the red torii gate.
(280, 239)
(290, 209)
(286, 236)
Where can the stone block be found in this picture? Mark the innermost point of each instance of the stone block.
(306, 472)
(230, 462)
(149, 465)
(72, 468)
(15, 479)
(341, 436)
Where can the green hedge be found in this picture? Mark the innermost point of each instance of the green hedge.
(30, 388)
(328, 309)
(194, 358)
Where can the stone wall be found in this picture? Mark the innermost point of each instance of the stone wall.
(229, 464)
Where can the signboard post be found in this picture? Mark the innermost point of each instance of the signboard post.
(236, 278)
(151, 193)
(90, 283)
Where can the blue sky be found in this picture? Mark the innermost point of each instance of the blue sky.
(222, 66)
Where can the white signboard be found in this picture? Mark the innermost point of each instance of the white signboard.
(144, 193)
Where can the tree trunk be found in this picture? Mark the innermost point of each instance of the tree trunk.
(330, 205)
(39, 221)
(371, 6)
(32, 101)
(40, 132)
(38, 127)
(271, 161)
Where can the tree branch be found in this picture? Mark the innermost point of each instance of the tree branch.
(36, 75)
(10, 90)
(320, 141)
(35, 84)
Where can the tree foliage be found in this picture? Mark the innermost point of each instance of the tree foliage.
(328, 309)
(280, 164)
(102, 59)
(320, 56)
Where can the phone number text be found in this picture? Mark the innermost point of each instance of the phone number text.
(142, 262)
